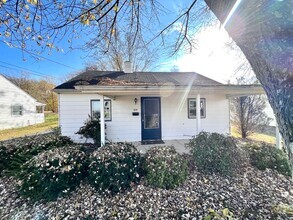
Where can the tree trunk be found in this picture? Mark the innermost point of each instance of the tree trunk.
(264, 32)
(242, 117)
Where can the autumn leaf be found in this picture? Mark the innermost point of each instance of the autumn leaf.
(91, 17)
(113, 31)
(33, 2)
(115, 8)
(7, 34)
(85, 21)
(225, 212)
(205, 180)
(50, 45)
(27, 16)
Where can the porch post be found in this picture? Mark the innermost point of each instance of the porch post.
(102, 120)
(198, 128)
(278, 137)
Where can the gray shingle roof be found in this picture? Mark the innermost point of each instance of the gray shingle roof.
(116, 78)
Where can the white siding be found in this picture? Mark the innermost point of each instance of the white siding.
(12, 95)
(39, 118)
(177, 125)
(75, 108)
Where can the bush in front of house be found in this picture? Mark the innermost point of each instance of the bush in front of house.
(53, 173)
(265, 156)
(3, 158)
(164, 167)
(20, 150)
(115, 167)
(91, 129)
(215, 153)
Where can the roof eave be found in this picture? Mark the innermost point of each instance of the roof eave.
(58, 91)
(229, 90)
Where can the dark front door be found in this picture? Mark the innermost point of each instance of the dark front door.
(151, 118)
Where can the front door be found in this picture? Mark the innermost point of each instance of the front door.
(151, 118)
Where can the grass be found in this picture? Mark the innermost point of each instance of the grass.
(51, 121)
(255, 136)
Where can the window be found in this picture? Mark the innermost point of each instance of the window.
(95, 109)
(39, 109)
(192, 108)
(17, 110)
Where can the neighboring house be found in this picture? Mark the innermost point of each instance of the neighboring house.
(144, 106)
(17, 108)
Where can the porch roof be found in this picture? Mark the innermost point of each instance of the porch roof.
(228, 90)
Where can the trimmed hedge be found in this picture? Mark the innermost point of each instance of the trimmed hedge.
(4, 155)
(115, 167)
(216, 153)
(52, 173)
(164, 167)
(18, 151)
(267, 156)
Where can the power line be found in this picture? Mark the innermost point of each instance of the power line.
(24, 68)
(53, 61)
(50, 60)
(31, 71)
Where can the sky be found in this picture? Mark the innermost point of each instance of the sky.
(56, 66)
(211, 57)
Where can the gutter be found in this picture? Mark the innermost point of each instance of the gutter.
(167, 87)
(239, 89)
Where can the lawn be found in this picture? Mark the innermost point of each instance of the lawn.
(51, 121)
(259, 137)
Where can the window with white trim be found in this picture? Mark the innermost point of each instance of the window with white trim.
(192, 108)
(39, 109)
(16, 110)
(95, 109)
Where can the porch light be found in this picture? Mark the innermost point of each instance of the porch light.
(135, 101)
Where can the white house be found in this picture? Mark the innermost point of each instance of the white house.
(17, 108)
(144, 106)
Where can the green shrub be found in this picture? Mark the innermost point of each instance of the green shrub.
(53, 173)
(267, 156)
(20, 150)
(115, 167)
(164, 167)
(215, 153)
(91, 129)
(3, 158)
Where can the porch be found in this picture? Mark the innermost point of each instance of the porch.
(175, 111)
(178, 144)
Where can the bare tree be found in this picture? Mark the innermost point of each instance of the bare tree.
(26, 24)
(248, 114)
(123, 48)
